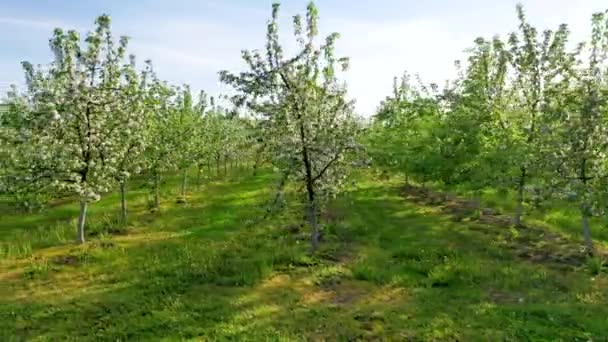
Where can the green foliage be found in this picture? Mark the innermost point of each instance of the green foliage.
(523, 126)
(79, 125)
(89, 121)
(198, 272)
(85, 132)
(525, 115)
(595, 265)
(308, 126)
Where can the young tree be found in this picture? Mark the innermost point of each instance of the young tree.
(22, 175)
(537, 66)
(401, 137)
(134, 135)
(185, 128)
(160, 152)
(309, 125)
(463, 135)
(202, 151)
(581, 128)
(79, 99)
(216, 136)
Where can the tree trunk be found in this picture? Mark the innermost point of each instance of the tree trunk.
(310, 189)
(477, 203)
(217, 166)
(81, 219)
(313, 219)
(198, 175)
(156, 189)
(520, 198)
(311, 208)
(585, 210)
(123, 203)
(184, 181)
(225, 166)
(255, 164)
(208, 169)
(407, 179)
(586, 228)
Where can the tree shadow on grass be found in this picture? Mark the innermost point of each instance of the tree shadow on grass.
(468, 277)
(412, 274)
(164, 289)
(180, 286)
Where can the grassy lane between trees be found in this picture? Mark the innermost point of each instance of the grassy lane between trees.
(392, 264)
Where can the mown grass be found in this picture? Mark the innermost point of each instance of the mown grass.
(210, 269)
(553, 214)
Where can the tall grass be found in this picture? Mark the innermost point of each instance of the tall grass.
(21, 243)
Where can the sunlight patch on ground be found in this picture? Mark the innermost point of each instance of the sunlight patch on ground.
(148, 237)
(63, 287)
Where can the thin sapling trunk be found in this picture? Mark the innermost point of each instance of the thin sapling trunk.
(477, 203)
(198, 175)
(80, 238)
(586, 228)
(313, 219)
(520, 198)
(123, 203)
(184, 181)
(585, 209)
(156, 189)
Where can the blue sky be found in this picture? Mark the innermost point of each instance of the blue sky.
(189, 41)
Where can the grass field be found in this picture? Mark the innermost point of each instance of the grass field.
(394, 265)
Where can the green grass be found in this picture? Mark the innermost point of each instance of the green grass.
(554, 214)
(209, 269)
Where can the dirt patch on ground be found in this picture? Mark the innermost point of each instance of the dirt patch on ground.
(106, 244)
(454, 206)
(501, 297)
(529, 243)
(345, 292)
(62, 201)
(332, 215)
(69, 260)
(345, 296)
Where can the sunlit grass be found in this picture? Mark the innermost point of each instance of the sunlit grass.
(210, 269)
(556, 214)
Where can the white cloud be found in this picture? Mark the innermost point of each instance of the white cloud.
(380, 51)
(192, 50)
(30, 23)
(175, 56)
(428, 46)
(38, 24)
